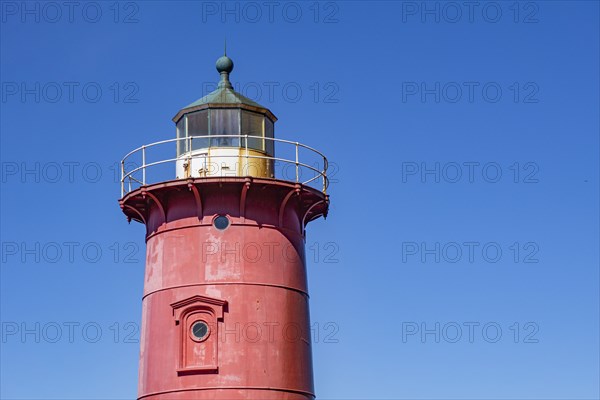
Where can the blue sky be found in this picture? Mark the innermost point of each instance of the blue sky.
(460, 256)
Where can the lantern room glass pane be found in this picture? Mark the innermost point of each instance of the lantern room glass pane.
(252, 125)
(181, 144)
(269, 133)
(225, 122)
(197, 125)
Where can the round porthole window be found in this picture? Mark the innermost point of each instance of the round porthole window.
(200, 330)
(221, 222)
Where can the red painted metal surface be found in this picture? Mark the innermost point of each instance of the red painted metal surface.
(247, 283)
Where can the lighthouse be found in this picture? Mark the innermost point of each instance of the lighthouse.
(225, 306)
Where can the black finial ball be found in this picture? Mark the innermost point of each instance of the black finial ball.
(224, 64)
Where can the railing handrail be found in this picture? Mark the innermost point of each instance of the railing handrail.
(224, 136)
(129, 175)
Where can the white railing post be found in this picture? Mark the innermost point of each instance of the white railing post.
(122, 178)
(188, 145)
(324, 175)
(246, 165)
(144, 165)
(297, 172)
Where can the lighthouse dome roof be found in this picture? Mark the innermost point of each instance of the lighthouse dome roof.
(224, 95)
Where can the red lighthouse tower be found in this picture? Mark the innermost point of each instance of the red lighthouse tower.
(225, 305)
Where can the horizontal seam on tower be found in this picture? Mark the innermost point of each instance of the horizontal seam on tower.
(229, 388)
(230, 283)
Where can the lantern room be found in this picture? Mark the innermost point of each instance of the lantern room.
(225, 134)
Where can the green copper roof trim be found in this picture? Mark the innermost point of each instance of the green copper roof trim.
(224, 95)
